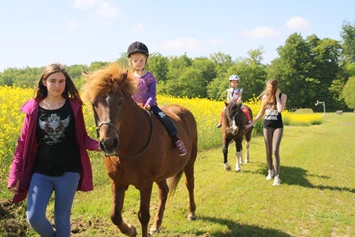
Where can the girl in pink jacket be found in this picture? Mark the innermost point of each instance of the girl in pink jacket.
(51, 154)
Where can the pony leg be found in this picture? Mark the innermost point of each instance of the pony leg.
(225, 154)
(143, 214)
(190, 185)
(247, 155)
(118, 193)
(247, 145)
(163, 191)
(238, 162)
(238, 154)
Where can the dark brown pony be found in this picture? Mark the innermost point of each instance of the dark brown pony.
(233, 128)
(138, 150)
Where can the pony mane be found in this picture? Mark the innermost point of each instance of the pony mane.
(109, 79)
(233, 105)
(232, 108)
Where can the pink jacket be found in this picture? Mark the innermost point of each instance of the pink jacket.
(26, 150)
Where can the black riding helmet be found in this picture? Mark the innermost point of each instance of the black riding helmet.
(137, 47)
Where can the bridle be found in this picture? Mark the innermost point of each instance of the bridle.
(99, 124)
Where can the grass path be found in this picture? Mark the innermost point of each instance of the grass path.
(316, 197)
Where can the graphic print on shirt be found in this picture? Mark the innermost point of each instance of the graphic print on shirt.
(53, 128)
(236, 94)
(271, 114)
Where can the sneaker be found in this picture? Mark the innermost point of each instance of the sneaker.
(277, 181)
(219, 125)
(270, 175)
(180, 147)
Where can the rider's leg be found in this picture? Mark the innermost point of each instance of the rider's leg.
(247, 114)
(170, 127)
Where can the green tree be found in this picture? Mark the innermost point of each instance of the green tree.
(348, 92)
(177, 65)
(123, 60)
(158, 65)
(306, 69)
(224, 61)
(96, 65)
(251, 71)
(348, 36)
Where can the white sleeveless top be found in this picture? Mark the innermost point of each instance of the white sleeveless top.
(234, 94)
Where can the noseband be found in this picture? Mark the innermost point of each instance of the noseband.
(99, 124)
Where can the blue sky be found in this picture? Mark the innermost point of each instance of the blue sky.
(39, 32)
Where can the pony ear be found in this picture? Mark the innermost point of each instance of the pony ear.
(226, 103)
(85, 74)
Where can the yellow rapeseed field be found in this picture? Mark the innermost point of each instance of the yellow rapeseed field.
(206, 112)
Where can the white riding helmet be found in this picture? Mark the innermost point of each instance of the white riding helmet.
(234, 78)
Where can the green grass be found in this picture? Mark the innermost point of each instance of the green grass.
(304, 111)
(316, 197)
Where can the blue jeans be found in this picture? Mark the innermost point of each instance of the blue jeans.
(168, 124)
(40, 190)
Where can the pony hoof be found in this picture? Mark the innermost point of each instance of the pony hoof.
(247, 161)
(191, 217)
(153, 231)
(237, 170)
(133, 231)
(227, 166)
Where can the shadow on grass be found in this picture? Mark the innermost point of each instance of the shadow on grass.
(298, 176)
(236, 229)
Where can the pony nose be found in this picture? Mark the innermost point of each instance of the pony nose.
(109, 145)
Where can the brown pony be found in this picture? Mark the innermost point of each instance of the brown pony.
(233, 128)
(138, 150)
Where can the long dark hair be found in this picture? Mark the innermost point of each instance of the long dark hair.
(70, 90)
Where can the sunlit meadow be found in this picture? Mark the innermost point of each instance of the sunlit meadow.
(206, 112)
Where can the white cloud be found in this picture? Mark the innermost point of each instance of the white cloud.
(137, 28)
(182, 44)
(215, 41)
(106, 10)
(84, 3)
(103, 8)
(72, 25)
(297, 23)
(262, 32)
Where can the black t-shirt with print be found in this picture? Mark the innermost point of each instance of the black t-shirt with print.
(57, 149)
(273, 119)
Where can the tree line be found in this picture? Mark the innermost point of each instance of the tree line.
(308, 69)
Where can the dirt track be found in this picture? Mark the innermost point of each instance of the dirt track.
(13, 223)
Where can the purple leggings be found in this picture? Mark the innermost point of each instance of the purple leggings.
(272, 138)
(39, 192)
